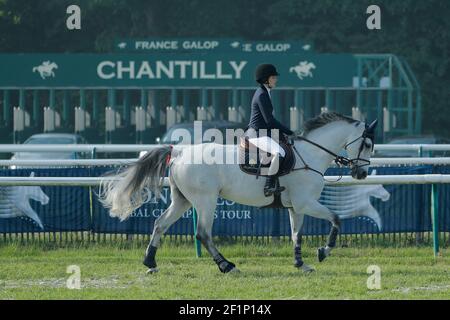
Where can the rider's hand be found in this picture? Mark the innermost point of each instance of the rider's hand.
(292, 136)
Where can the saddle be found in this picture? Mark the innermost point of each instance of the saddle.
(252, 159)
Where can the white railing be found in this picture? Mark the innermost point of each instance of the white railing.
(66, 162)
(329, 180)
(99, 148)
(118, 162)
(412, 147)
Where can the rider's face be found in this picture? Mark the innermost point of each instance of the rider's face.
(272, 81)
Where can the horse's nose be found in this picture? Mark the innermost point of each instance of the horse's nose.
(362, 174)
(354, 173)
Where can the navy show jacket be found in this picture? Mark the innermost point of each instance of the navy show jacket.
(261, 116)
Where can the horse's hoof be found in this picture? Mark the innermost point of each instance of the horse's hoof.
(321, 255)
(152, 270)
(307, 269)
(234, 270)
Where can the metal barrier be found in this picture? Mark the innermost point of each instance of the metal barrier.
(144, 147)
(118, 162)
(82, 120)
(433, 179)
(329, 180)
(52, 119)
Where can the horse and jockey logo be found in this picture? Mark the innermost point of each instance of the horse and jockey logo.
(15, 202)
(122, 45)
(46, 69)
(303, 69)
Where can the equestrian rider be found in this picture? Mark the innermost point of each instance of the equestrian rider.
(262, 122)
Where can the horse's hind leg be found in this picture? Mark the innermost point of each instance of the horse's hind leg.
(205, 209)
(176, 209)
(296, 220)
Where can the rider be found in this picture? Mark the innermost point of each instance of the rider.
(262, 118)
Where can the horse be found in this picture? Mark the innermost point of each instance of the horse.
(199, 185)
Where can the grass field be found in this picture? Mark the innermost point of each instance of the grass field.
(38, 271)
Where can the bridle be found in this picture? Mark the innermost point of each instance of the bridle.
(354, 162)
(340, 161)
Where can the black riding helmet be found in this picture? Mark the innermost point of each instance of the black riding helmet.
(264, 71)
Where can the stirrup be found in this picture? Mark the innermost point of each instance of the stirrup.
(274, 189)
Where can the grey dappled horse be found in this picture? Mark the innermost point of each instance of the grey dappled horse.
(199, 185)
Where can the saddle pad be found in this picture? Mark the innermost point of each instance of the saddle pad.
(251, 161)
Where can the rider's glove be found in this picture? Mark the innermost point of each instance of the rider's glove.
(291, 138)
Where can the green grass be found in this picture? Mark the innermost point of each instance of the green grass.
(38, 271)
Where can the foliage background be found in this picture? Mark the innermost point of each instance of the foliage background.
(417, 30)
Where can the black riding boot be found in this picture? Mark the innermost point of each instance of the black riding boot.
(271, 187)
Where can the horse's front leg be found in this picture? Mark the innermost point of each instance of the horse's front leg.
(296, 232)
(317, 210)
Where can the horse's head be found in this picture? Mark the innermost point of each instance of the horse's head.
(359, 147)
(33, 192)
(37, 194)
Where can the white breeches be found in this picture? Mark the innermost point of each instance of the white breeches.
(267, 144)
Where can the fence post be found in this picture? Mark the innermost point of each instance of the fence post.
(419, 234)
(276, 212)
(94, 153)
(198, 248)
(435, 218)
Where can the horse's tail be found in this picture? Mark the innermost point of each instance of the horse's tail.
(126, 191)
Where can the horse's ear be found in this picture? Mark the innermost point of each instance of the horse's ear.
(371, 127)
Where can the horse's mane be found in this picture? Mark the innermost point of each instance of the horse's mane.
(323, 119)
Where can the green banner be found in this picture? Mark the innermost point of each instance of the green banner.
(169, 70)
(209, 45)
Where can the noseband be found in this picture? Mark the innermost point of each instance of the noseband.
(365, 135)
